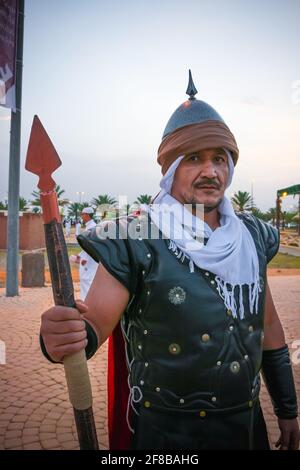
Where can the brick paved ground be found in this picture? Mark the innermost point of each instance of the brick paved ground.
(34, 409)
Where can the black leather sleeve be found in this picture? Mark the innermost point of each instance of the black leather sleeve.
(278, 377)
(90, 349)
(105, 244)
(270, 236)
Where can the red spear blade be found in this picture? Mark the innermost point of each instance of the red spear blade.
(42, 158)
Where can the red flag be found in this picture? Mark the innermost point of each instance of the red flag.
(8, 47)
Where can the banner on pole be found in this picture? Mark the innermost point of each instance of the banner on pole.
(8, 48)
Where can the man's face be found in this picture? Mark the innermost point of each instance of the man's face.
(201, 178)
(85, 217)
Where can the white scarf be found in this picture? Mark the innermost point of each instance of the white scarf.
(230, 252)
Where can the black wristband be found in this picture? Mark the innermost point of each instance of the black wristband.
(92, 345)
(90, 349)
(278, 377)
(44, 351)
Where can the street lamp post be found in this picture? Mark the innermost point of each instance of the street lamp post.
(79, 194)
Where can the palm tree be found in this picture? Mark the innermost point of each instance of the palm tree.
(62, 201)
(290, 216)
(103, 199)
(242, 201)
(143, 199)
(74, 209)
(271, 215)
(36, 201)
(259, 214)
(59, 191)
(22, 204)
(104, 203)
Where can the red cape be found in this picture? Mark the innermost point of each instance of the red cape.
(118, 392)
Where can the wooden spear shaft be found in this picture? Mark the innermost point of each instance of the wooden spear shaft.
(42, 159)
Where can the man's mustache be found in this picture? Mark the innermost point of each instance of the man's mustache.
(212, 184)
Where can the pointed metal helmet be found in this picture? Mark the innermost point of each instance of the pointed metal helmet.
(191, 111)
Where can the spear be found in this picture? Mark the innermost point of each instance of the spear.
(42, 160)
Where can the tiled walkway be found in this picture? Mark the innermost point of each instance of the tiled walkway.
(34, 409)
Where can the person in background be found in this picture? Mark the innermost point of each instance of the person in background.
(77, 228)
(87, 266)
(68, 228)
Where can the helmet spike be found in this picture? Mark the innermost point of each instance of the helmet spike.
(192, 111)
(191, 89)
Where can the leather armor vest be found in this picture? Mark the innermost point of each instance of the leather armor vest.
(185, 350)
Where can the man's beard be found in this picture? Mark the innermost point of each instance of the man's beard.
(207, 209)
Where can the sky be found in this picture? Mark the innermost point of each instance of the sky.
(104, 76)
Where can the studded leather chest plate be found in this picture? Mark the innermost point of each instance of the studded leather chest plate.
(186, 350)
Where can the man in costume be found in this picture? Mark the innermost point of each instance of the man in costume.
(189, 313)
(87, 266)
